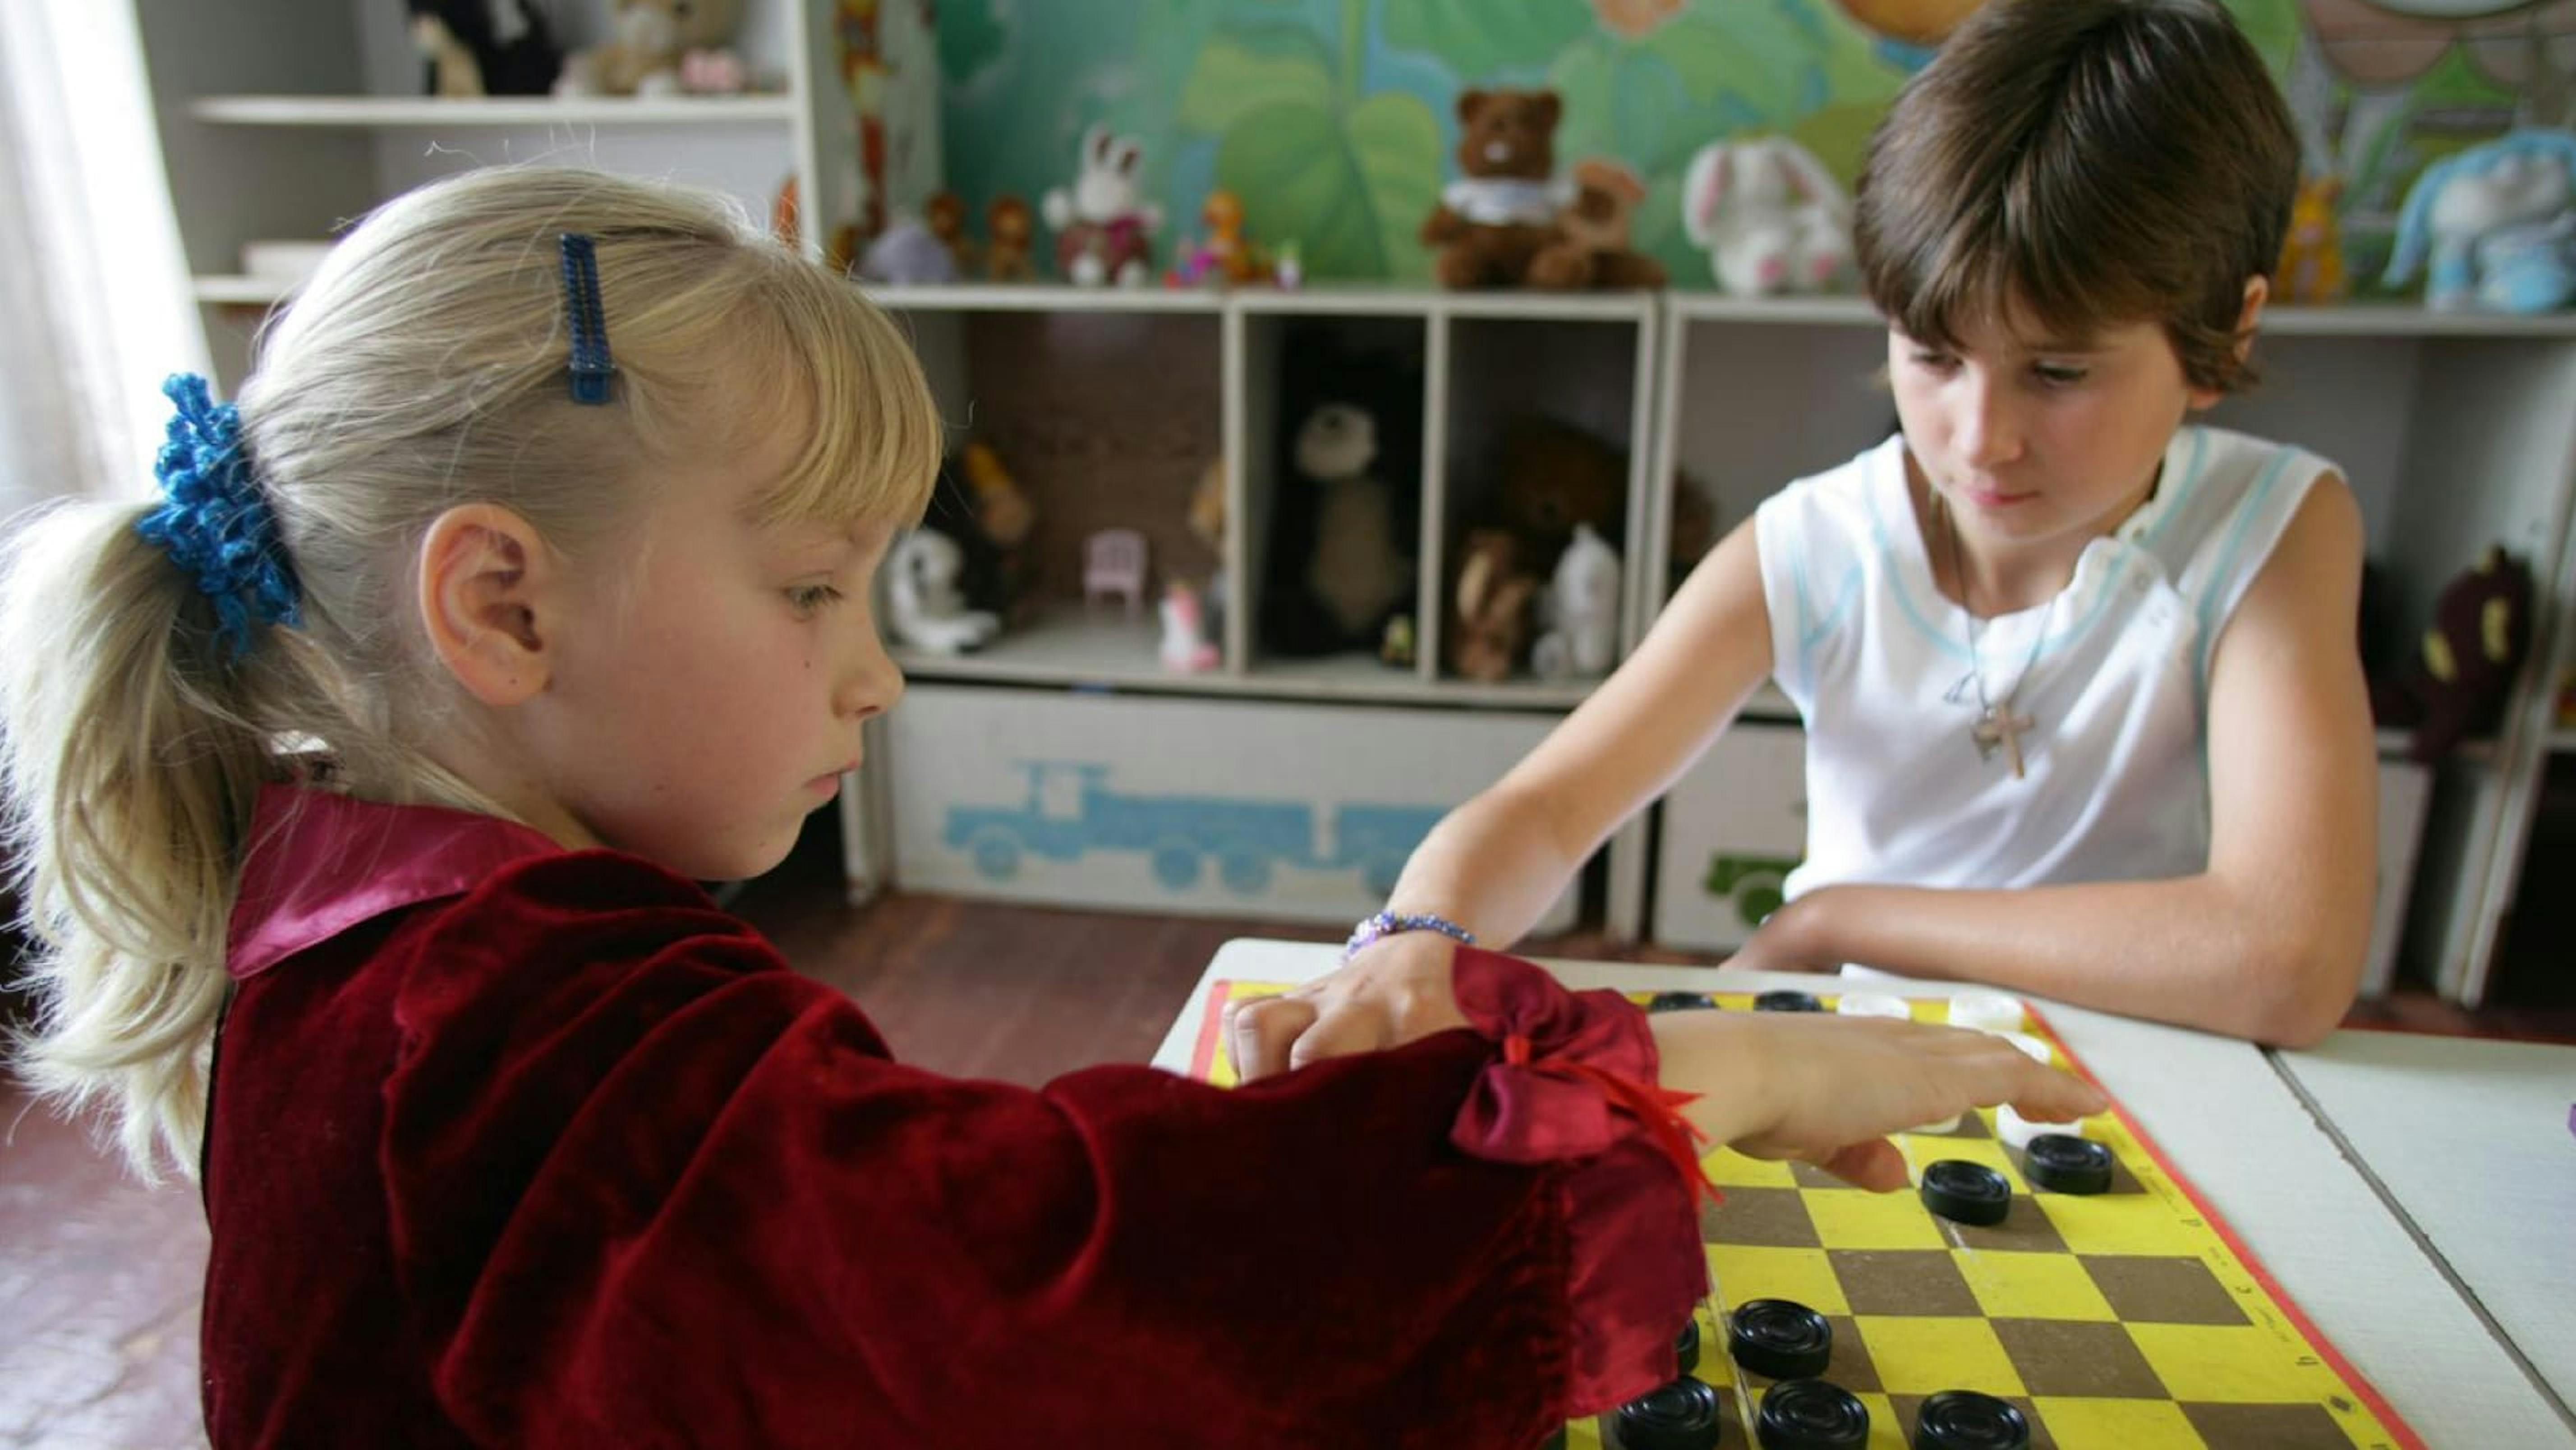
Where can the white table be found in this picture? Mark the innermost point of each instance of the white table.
(2471, 1143)
(2247, 1141)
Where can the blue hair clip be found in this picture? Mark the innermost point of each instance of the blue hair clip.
(586, 320)
(215, 522)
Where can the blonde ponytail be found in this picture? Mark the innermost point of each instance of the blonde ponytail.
(422, 368)
(130, 772)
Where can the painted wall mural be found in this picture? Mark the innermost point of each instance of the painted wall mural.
(1334, 120)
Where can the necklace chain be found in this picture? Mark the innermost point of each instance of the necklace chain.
(1996, 725)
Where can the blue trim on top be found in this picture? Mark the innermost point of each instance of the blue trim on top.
(1896, 577)
(2248, 510)
(2190, 480)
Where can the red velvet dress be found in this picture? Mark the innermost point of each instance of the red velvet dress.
(516, 1146)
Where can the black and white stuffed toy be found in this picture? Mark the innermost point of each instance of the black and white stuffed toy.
(484, 48)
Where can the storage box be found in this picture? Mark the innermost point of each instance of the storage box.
(1733, 827)
(1234, 808)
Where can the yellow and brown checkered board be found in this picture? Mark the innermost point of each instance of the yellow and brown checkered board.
(2125, 1320)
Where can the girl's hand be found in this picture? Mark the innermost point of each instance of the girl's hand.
(1830, 1089)
(1395, 991)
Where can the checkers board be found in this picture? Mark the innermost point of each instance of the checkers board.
(2133, 1319)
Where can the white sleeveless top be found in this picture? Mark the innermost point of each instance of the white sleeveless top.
(1877, 662)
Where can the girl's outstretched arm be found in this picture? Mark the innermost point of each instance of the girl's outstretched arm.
(2268, 943)
(1495, 863)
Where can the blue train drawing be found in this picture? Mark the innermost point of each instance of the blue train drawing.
(1071, 811)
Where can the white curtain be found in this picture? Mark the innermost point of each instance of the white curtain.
(95, 302)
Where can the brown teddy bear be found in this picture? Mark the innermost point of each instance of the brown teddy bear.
(1493, 223)
(2456, 684)
(1594, 251)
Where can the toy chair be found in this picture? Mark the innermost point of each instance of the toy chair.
(1113, 562)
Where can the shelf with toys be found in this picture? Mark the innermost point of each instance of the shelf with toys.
(435, 112)
(282, 120)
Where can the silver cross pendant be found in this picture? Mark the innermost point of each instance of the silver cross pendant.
(1997, 727)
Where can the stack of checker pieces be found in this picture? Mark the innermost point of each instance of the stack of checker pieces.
(2125, 1318)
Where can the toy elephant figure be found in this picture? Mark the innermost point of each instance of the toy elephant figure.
(2499, 221)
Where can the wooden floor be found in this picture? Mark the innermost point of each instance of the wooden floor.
(99, 1278)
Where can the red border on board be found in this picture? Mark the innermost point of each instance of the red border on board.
(1203, 1062)
(2360, 1382)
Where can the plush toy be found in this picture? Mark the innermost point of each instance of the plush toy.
(1579, 612)
(2499, 223)
(1007, 229)
(1490, 625)
(2312, 251)
(484, 48)
(1356, 571)
(1185, 646)
(1207, 522)
(1345, 515)
(1226, 258)
(648, 41)
(2457, 683)
(908, 253)
(1554, 477)
(945, 215)
(1104, 228)
(1494, 221)
(1593, 248)
(925, 608)
(1770, 215)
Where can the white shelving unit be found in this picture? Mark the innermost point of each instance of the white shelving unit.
(1109, 404)
(288, 124)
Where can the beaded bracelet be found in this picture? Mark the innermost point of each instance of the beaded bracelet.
(1388, 923)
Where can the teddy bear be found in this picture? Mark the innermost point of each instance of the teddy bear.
(1496, 219)
(484, 48)
(1594, 229)
(649, 41)
(945, 215)
(1104, 228)
(1008, 226)
(1355, 571)
(1345, 522)
(1554, 478)
(2457, 682)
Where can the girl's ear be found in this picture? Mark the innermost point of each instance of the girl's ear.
(2258, 291)
(488, 599)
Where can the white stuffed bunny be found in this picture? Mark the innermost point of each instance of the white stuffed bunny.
(1104, 228)
(924, 606)
(1580, 612)
(1770, 215)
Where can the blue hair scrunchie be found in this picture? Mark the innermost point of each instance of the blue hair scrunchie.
(215, 522)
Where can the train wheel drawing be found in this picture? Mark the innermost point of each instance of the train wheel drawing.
(1176, 865)
(996, 852)
(1246, 872)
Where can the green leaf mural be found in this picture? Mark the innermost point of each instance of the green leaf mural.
(1348, 183)
(1482, 40)
(1332, 119)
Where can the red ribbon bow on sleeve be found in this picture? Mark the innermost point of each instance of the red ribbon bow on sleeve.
(1573, 1064)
